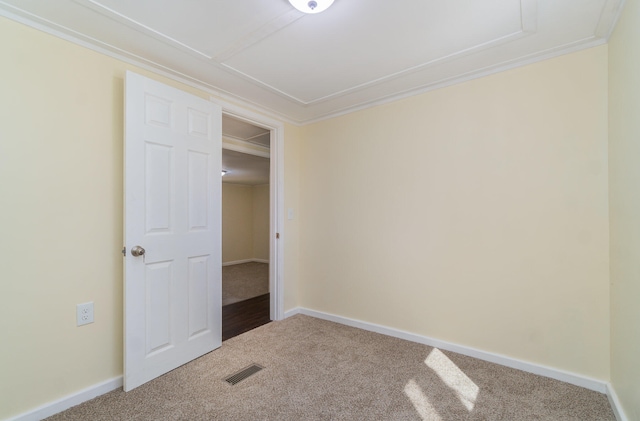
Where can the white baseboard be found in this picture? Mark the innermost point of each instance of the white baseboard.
(239, 262)
(615, 404)
(292, 312)
(564, 376)
(67, 402)
(89, 393)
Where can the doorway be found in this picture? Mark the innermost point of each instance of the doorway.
(276, 198)
(246, 209)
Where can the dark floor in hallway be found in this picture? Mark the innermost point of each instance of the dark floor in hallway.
(241, 317)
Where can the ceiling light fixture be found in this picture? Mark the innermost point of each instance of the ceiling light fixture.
(311, 6)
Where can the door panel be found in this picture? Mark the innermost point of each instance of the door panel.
(158, 304)
(158, 162)
(198, 292)
(172, 209)
(198, 191)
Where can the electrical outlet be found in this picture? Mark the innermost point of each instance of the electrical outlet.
(84, 313)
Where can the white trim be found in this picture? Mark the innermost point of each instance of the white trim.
(293, 312)
(68, 401)
(564, 376)
(276, 196)
(464, 77)
(67, 34)
(244, 149)
(236, 262)
(142, 28)
(259, 34)
(609, 17)
(615, 20)
(618, 411)
(59, 31)
(528, 26)
(383, 79)
(239, 262)
(89, 393)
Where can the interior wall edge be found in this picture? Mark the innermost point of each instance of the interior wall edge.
(239, 262)
(177, 76)
(615, 403)
(149, 66)
(538, 369)
(68, 401)
(91, 392)
(503, 67)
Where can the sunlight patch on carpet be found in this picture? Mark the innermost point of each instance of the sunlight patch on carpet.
(453, 377)
(420, 401)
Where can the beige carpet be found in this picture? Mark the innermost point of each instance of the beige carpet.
(318, 370)
(244, 281)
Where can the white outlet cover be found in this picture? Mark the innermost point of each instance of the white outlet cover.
(84, 313)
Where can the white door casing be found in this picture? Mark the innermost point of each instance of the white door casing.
(276, 187)
(173, 307)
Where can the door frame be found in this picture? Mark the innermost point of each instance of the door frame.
(276, 199)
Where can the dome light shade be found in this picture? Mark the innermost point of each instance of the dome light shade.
(311, 6)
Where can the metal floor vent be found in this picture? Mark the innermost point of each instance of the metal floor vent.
(234, 379)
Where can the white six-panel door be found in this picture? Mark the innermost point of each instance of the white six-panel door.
(173, 301)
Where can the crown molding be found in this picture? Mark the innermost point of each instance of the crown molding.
(528, 26)
(610, 15)
(609, 18)
(465, 77)
(21, 16)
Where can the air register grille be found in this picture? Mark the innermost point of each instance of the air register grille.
(236, 378)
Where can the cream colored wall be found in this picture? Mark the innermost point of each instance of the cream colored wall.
(291, 231)
(61, 155)
(237, 222)
(245, 222)
(260, 203)
(475, 214)
(61, 172)
(624, 174)
(496, 238)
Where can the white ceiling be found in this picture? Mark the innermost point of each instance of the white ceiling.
(304, 68)
(240, 130)
(245, 168)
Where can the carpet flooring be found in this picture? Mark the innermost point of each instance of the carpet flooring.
(319, 370)
(244, 281)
